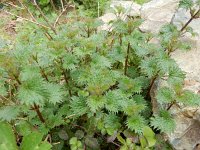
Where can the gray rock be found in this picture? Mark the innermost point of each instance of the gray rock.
(157, 13)
(187, 133)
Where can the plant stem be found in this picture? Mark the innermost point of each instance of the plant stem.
(36, 108)
(62, 5)
(67, 82)
(126, 60)
(17, 79)
(88, 32)
(45, 18)
(190, 20)
(171, 104)
(151, 85)
(28, 10)
(65, 77)
(120, 39)
(59, 16)
(41, 69)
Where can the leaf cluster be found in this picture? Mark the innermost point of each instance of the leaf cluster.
(83, 85)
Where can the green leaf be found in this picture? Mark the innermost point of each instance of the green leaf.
(101, 61)
(73, 141)
(3, 90)
(165, 95)
(55, 93)
(136, 123)
(149, 135)
(78, 106)
(79, 134)
(44, 2)
(189, 98)
(35, 140)
(63, 135)
(23, 128)
(175, 78)
(8, 113)
(7, 137)
(149, 66)
(112, 101)
(92, 143)
(163, 121)
(95, 103)
(70, 61)
(130, 85)
(112, 123)
(121, 139)
(33, 91)
(143, 142)
(165, 64)
(187, 4)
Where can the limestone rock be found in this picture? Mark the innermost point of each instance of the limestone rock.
(157, 13)
(106, 19)
(131, 8)
(187, 133)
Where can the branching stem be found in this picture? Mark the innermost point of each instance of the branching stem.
(151, 85)
(44, 17)
(190, 20)
(171, 104)
(37, 23)
(37, 110)
(65, 77)
(41, 69)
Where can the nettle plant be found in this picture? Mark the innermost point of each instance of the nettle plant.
(80, 88)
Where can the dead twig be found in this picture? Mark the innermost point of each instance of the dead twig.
(44, 17)
(62, 5)
(27, 10)
(37, 23)
(8, 3)
(59, 16)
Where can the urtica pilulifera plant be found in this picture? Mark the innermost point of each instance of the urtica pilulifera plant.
(73, 86)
